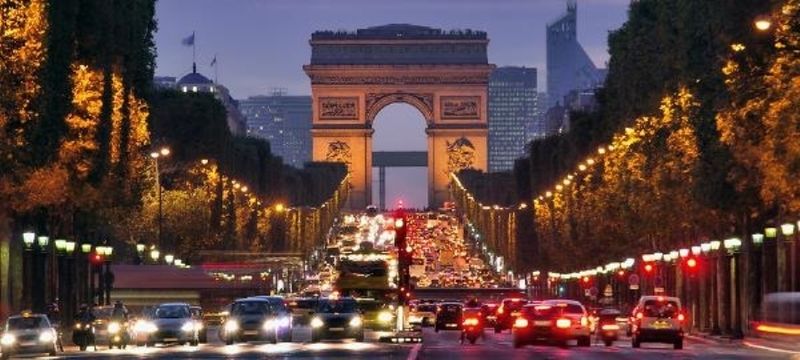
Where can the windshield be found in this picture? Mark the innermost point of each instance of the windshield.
(172, 312)
(430, 308)
(102, 312)
(664, 309)
(512, 305)
(337, 306)
(21, 323)
(551, 311)
(251, 308)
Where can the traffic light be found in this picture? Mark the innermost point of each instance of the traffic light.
(403, 256)
(648, 268)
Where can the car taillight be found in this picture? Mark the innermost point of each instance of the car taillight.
(681, 317)
(610, 327)
(500, 310)
(521, 323)
(471, 322)
(639, 315)
(584, 321)
(563, 323)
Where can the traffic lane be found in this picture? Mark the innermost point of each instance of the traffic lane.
(301, 347)
(445, 345)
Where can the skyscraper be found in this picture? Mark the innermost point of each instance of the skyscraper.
(284, 121)
(568, 66)
(512, 110)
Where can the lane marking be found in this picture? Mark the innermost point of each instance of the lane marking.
(769, 348)
(414, 352)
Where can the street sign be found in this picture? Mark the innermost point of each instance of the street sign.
(633, 280)
(593, 291)
(633, 287)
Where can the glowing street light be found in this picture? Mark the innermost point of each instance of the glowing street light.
(762, 23)
(28, 238)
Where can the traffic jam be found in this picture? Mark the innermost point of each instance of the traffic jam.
(364, 293)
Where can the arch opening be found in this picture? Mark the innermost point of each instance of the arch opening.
(399, 143)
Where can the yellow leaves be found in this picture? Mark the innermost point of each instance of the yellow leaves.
(47, 186)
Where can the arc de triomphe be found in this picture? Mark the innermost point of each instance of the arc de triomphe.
(443, 74)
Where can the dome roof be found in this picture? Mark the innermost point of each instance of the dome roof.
(194, 78)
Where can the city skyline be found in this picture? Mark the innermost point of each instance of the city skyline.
(239, 37)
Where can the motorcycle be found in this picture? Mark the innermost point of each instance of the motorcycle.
(83, 335)
(118, 335)
(471, 329)
(608, 329)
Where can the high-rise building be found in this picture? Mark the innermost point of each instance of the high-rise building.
(568, 66)
(512, 110)
(538, 128)
(284, 121)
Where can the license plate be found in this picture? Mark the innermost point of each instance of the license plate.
(28, 343)
(452, 325)
(170, 339)
(515, 313)
(336, 329)
(541, 323)
(251, 332)
(661, 325)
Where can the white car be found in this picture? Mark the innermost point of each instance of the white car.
(28, 334)
(658, 319)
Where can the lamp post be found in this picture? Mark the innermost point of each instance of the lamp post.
(85, 275)
(68, 309)
(61, 252)
(140, 253)
(39, 271)
(732, 246)
(787, 259)
(27, 267)
(716, 294)
(163, 152)
(770, 256)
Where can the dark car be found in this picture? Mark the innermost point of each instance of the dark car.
(202, 326)
(283, 317)
(302, 308)
(250, 319)
(489, 313)
(508, 311)
(448, 316)
(337, 318)
(173, 323)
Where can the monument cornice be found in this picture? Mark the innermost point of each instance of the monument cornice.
(398, 74)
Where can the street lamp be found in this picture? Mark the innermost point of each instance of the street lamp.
(28, 238)
(154, 255)
(164, 151)
(758, 239)
(696, 250)
(43, 241)
(733, 245)
(683, 252)
(771, 232)
(787, 229)
(762, 23)
(169, 258)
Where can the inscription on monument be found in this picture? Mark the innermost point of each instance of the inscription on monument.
(460, 107)
(338, 108)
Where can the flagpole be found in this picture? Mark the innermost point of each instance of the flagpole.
(216, 72)
(194, 53)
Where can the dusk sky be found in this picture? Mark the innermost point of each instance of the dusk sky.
(262, 44)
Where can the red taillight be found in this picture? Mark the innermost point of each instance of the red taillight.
(648, 268)
(681, 317)
(500, 310)
(471, 322)
(584, 321)
(639, 315)
(563, 323)
(691, 263)
(521, 323)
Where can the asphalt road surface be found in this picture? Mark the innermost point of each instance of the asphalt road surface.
(441, 346)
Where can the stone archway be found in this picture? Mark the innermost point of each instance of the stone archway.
(442, 74)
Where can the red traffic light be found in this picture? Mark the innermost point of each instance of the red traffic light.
(648, 268)
(586, 279)
(691, 263)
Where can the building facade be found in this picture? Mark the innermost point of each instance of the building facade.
(513, 109)
(284, 121)
(568, 66)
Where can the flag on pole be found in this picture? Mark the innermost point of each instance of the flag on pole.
(214, 61)
(189, 40)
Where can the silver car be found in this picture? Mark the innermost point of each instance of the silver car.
(172, 323)
(28, 334)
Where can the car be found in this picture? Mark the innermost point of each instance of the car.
(337, 318)
(555, 321)
(377, 315)
(422, 313)
(28, 333)
(251, 319)
(170, 323)
(202, 325)
(448, 316)
(102, 315)
(658, 319)
(284, 321)
(489, 313)
(507, 313)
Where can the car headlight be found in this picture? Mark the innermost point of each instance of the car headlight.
(385, 316)
(231, 326)
(316, 322)
(187, 326)
(46, 336)
(8, 339)
(355, 322)
(198, 325)
(114, 327)
(269, 325)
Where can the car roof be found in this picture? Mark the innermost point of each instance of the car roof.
(27, 316)
(451, 303)
(561, 301)
(173, 304)
(658, 297)
(250, 299)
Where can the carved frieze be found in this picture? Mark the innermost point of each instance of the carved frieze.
(376, 101)
(338, 108)
(319, 79)
(460, 107)
(339, 151)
